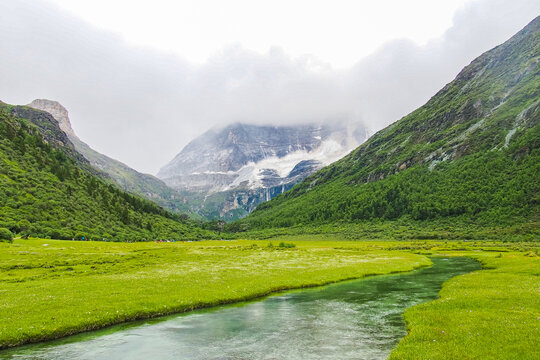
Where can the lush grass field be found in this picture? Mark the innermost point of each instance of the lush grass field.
(488, 314)
(50, 289)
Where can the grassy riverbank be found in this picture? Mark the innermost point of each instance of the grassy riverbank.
(488, 314)
(50, 289)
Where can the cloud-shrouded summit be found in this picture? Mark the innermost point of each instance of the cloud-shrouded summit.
(141, 105)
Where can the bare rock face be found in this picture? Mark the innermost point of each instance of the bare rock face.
(245, 165)
(59, 112)
(49, 129)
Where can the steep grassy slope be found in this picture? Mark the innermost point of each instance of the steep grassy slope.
(47, 189)
(471, 154)
(135, 182)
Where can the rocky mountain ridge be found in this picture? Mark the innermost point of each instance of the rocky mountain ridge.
(226, 172)
(229, 171)
(127, 178)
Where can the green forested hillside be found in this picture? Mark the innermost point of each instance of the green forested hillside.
(471, 154)
(47, 189)
(134, 182)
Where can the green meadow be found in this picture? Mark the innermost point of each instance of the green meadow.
(50, 288)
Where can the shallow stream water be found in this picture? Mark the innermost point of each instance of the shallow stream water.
(359, 319)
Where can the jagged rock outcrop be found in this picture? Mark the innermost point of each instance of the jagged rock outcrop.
(49, 129)
(58, 111)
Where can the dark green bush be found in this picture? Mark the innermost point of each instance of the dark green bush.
(286, 245)
(6, 235)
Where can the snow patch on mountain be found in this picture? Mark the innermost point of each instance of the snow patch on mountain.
(252, 174)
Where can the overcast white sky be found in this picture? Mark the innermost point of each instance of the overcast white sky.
(143, 78)
(327, 29)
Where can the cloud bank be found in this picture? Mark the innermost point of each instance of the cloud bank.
(141, 106)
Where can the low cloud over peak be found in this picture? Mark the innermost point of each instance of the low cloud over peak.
(142, 106)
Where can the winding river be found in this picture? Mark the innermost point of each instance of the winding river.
(359, 319)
